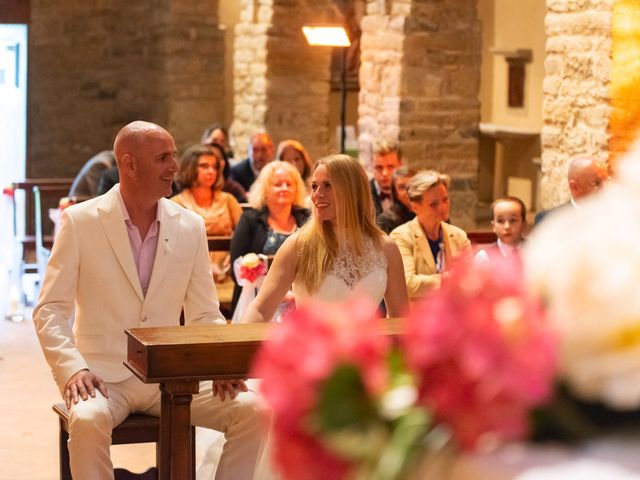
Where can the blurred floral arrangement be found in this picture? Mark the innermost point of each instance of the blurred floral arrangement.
(348, 402)
(585, 265)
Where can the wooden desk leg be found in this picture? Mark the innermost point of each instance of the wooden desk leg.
(175, 430)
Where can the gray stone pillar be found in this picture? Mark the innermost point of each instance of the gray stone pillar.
(94, 67)
(419, 85)
(576, 106)
(281, 84)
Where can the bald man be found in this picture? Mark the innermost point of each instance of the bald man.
(131, 258)
(585, 176)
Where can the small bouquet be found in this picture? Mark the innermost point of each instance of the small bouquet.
(475, 357)
(252, 267)
(250, 270)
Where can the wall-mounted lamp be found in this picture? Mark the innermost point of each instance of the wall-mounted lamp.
(332, 36)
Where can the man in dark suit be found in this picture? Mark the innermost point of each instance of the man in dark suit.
(585, 176)
(261, 152)
(386, 158)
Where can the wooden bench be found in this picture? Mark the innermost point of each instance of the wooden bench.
(480, 239)
(136, 428)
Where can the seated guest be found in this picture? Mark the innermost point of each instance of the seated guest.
(428, 243)
(86, 182)
(229, 186)
(277, 198)
(585, 176)
(292, 151)
(102, 267)
(400, 212)
(509, 220)
(386, 158)
(201, 178)
(108, 178)
(216, 133)
(260, 153)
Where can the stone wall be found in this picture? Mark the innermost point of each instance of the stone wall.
(281, 84)
(576, 106)
(94, 67)
(420, 78)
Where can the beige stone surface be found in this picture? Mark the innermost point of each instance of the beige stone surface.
(576, 106)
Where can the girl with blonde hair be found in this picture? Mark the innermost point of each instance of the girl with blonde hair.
(340, 252)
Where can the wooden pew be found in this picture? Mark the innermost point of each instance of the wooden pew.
(225, 290)
(481, 239)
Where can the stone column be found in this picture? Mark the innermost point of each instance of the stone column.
(191, 47)
(281, 84)
(420, 79)
(576, 106)
(94, 67)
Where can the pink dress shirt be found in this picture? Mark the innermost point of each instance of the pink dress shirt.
(144, 250)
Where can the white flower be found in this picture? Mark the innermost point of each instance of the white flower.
(585, 263)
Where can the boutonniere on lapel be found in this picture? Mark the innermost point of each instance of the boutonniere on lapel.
(166, 245)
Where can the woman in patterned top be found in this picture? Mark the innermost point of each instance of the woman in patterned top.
(277, 200)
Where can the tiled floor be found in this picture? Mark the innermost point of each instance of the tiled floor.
(28, 427)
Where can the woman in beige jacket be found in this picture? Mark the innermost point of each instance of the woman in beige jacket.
(428, 243)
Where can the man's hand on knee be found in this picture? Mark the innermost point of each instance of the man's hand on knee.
(232, 387)
(83, 384)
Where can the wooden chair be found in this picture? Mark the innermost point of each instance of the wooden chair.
(55, 188)
(42, 252)
(136, 428)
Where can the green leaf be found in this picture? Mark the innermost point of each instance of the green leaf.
(343, 401)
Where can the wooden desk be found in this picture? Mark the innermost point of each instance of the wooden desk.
(178, 358)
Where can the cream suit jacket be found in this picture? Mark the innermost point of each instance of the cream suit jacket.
(419, 265)
(92, 268)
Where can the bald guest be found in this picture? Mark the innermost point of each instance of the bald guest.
(131, 258)
(585, 176)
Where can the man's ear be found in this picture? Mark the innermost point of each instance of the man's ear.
(128, 166)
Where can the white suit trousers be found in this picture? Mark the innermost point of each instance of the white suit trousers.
(91, 423)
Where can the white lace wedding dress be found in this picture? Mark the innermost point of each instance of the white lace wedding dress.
(350, 275)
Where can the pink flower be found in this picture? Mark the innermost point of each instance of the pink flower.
(482, 351)
(302, 353)
(252, 267)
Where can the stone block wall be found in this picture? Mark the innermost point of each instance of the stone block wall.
(576, 107)
(281, 84)
(420, 79)
(94, 67)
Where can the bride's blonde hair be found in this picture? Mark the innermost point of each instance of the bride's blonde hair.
(354, 221)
